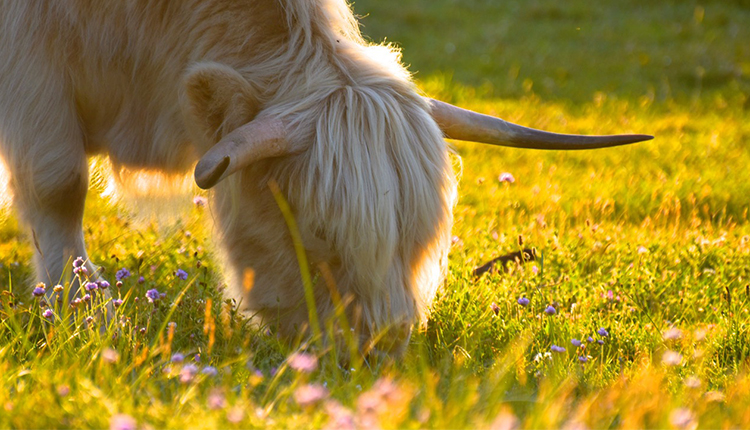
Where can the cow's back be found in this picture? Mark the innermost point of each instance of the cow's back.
(122, 62)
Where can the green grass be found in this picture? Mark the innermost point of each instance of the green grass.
(636, 240)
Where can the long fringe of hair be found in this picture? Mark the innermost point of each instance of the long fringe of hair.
(377, 182)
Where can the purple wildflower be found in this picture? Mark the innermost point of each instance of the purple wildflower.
(303, 362)
(122, 274)
(556, 348)
(81, 270)
(209, 371)
(103, 285)
(603, 332)
(78, 262)
(117, 303)
(600, 342)
(87, 297)
(38, 290)
(153, 295)
(683, 418)
(672, 334)
(91, 286)
(692, 382)
(181, 274)
(177, 358)
(583, 359)
(589, 339)
(216, 400)
(506, 177)
(550, 310)
(576, 342)
(141, 280)
(523, 301)
(48, 314)
(122, 422)
(187, 373)
(310, 394)
(340, 417)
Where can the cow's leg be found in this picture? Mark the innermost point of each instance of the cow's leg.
(43, 147)
(50, 200)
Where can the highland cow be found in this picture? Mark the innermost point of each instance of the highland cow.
(256, 91)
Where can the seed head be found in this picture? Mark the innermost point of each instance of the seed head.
(110, 356)
(495, 308)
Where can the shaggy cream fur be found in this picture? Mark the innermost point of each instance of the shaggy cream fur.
(155, 83)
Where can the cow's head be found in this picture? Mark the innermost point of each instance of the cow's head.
(367, 171)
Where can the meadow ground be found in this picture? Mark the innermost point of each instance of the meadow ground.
(646, 252)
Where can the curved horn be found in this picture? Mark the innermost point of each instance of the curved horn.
(462, 124)
(257, 140)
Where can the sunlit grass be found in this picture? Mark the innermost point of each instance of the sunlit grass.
(643, 249)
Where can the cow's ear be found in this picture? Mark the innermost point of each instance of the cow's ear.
(217, 99)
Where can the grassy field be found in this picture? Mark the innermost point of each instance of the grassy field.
(646, 252)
